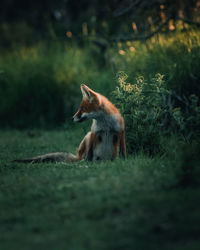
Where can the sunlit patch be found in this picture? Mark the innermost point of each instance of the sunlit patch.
(85, 29)
(134, 26)
(180, 13)
(163, 16)
(171, 26)
(122, 52)
(150, 20)
(69, 34)
(153, 40)
(119, 45)
(132, 49)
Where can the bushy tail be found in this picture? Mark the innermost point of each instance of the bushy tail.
(51, 157)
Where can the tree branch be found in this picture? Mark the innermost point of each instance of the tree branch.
(140, 38)
(188, 21)
(118, 13)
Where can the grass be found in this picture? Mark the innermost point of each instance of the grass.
(39, 83)
(174, 55)
(137, 203)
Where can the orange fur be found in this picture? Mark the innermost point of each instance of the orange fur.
(99, 108)
(106, 140)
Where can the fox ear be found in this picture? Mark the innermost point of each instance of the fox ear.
(87, 92)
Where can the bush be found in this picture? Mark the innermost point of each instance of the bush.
(177, 56)
(149, 112)
(39, 85)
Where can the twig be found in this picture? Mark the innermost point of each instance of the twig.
(138, 38)
(118, 13)
(188, 21)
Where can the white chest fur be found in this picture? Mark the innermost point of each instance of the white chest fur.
(104, 122)
(104, 150)
(105, 126)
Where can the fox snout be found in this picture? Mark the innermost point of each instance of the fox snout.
(79, 117)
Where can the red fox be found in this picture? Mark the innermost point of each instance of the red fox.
(106, 139)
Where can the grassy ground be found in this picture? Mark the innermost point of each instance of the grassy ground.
(132, 204)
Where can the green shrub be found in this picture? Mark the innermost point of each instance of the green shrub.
(188, 119)
(149, 112)
(13, 34)
(177, 56)
(39, 85)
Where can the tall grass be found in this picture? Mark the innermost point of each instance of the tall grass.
(39, 84)
(150, 113)
(176, 56)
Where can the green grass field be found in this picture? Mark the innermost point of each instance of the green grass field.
(137, 203)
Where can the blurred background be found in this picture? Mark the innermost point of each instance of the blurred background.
(48, 48)
(144, 55)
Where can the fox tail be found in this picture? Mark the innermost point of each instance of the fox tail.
(51, 157)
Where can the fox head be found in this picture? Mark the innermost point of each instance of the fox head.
(89, 105)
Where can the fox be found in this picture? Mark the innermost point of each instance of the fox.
(106, 138)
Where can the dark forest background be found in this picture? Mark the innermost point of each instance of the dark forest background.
(144, 55)
(112, 20)
(48, 48)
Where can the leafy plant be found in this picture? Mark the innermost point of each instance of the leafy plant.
(188, 120)
(143, 107)
(39, 85)
(149, 112)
